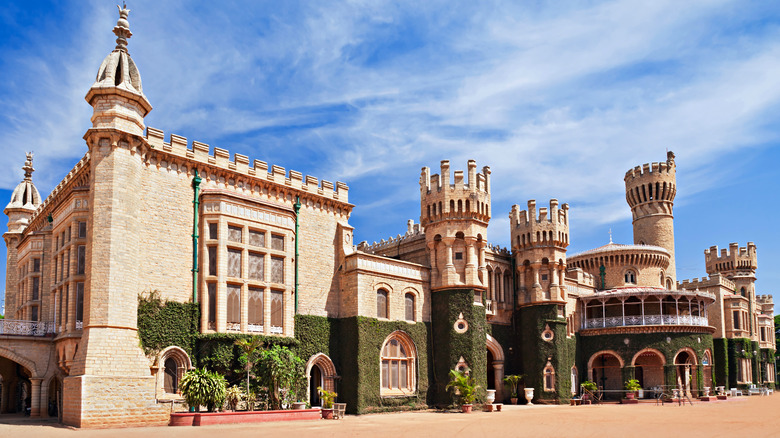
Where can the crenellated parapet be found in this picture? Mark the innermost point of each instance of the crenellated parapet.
(413, 231)
(258, 171)
(446, 197)
(542, 228)
(651, 188)
(730, 261)
(706, 282)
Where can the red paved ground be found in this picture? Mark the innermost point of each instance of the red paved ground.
(742, 417)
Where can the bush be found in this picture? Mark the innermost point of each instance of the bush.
(464, 386)
(201, 387)
(283, 373)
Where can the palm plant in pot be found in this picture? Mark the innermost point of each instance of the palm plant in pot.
(464, 387)
(327, 398)
(632, 386)
(514, 381)
(588, 388)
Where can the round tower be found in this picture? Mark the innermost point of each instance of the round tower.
(539, 242)
(25, 199)
(455, 215)
(650, 191)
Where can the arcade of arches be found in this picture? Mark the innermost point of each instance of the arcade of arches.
(651, 368)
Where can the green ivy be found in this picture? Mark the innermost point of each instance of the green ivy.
(163, 324)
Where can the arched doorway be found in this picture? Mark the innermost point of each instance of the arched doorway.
(16, 394)
(649, 368)
(684, 363)
(706, 362)
(315, 380)
(320, 372)
(605, 369)
(54, 400)
(495, 367)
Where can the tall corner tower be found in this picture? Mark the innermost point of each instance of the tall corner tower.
(539, 242)
(739, 265)
(109, 355)
(650, 191)
(25, 199)
(455, 215)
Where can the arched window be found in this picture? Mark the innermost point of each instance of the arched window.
(398, 374)
(630, 277)
(742, 291)
(381, 303)
(409, 306)
(171, 376)
(549, 377)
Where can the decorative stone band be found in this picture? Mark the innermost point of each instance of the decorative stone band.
(248, 213)
(371, 263)
(644, 329)
(25, 328)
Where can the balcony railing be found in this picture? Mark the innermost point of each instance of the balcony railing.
(622, 321)
(490, 307)
(25, 328)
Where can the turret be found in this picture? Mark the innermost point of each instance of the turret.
(539, 242)
(25, 199)
(455, 214)
(650, 192)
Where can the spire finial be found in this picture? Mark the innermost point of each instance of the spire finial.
(610, 235)
(28, 167)
(122, 28)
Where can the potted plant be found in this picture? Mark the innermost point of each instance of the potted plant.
(233, 396)
(203, 387)
(632, 386)
(464, 387)
(588, 388)
(327, 398)
(513, 381)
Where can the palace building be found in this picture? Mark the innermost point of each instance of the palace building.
(266, 251)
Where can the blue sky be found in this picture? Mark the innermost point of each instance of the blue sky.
(559, 98)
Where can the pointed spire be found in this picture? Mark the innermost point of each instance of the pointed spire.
(122, 28)
(610, 235)
(28, 167)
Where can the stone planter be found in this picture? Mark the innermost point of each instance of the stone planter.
(529, 395)
(298, 405)
(491, 396)
(466, 409)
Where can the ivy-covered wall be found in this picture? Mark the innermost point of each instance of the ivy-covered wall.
(354, 345)
(448, 346)
(535, 351)
(667, 343)
(218, 352)
(721, 362)
(163, 324)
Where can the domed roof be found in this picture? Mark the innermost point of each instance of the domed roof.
(25, 195)
(118, 69)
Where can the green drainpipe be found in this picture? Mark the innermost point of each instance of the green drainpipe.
(195, 203)
(297, 207)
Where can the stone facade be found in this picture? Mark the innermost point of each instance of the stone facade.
(256, 245)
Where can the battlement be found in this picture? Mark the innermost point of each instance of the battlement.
(449, 196)
(653, 169)
(706, 282)
(735, 258)
(764, 299)
(177, 146)
(543, 228)
(412, 231)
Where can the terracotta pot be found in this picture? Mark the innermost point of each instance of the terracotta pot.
(466, 409)
(327, 413)
(513, 400)
(630, 395)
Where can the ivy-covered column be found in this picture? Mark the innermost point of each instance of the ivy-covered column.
(670, 375)
(459, 338)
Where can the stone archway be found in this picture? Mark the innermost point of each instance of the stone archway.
(605, 368)
(494, 349)
(21, 390)
(649, 367)
(320, 371)
(685, 363)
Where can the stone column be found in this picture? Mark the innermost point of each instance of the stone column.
(562, 280)
(481, 244)
(521, 276)
(537, 294)
(35, 397)
(498, 372)
(435, 274)
(471, 258)
(450, 274)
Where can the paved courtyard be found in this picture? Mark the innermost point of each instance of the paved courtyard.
(754, 416)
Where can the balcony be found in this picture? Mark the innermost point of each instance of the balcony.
(17, 327)
(490, 307)
(623, 321)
